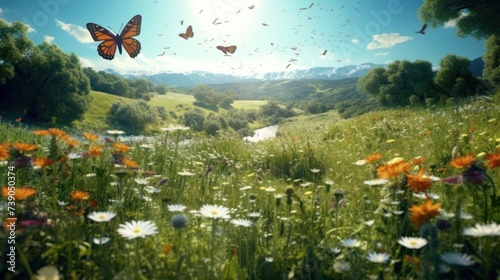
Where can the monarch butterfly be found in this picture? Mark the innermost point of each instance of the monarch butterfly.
(107, 48)
(189, 33)
(225, 50)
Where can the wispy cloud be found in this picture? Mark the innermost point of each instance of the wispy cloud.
(85, 62)
(386, 40)
(453, 23)
(355, 41)
(81, 34)
(382, 54)
(1, 11)
(48, 39)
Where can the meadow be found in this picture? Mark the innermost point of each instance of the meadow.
(396, 194)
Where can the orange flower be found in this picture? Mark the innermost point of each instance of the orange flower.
(166, 248)
(462, 162)
(90, 136)
(373, 157)
(20, 193)
(417, 160)
(56, 132)
(4, 151)
(42, 162)
(42, 132)
(70, 142)
(418, 183)
(388, 171)
(95, 151)
(25, 147)
(120, 147)
(79, 195)
(422, 213)
(129, 163)
(492, 160)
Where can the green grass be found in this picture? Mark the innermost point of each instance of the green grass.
(305, 194)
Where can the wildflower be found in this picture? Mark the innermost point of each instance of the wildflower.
(373, 157)
(4, 151)
(417, 160)
(176, 208)
(41, 132)
(121, 148)
(462, 162)
(457, 259)
(102, 240)
(492, 160)
(376, 182)
(412, 242)
(163, 181)
(43, 162)
(134, 229)
(48, 272)
(474, 175)
(166, 248)
(101, 216)
(129, 163)
(483, 230)
(422, 213)
(90, 136)
(56, 132)
(351, 243)
(70, 142)
(20, 193)
(79, 195)
(142, 181)
(360, 162)
(25, 147)
(241, 222)
(419, 182)
(377, 257)
(179, 221)
(389, 171)
(95, 151)
(214, 211)
(453, 180)
(341, 266)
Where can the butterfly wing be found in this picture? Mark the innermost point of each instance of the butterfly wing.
(231, 49)
(189, 32)
(424, 27)
(133, 28)
(107, 48)
(223, 49)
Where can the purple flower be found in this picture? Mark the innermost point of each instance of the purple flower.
(443, 224)
(473, 176)
(23, 161)
(163, 181)
(108, 140)
(453, 180)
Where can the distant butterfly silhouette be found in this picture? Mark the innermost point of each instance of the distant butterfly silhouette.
(107, 48)
(189, 33)
(422, 31)
(225, 50)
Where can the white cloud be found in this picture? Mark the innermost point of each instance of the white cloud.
(85, 62)
(48, 39)
(355, 41)
(453, 23)
(1, 11)
(386, 40)
(382, 54)
(81, 34)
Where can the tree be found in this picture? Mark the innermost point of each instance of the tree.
(161, 89)
(194, 119)
(41, 81)
(207, 95)
(477, 18)
(133, 117)
(454, 78)
(491, 60)
(395, 85)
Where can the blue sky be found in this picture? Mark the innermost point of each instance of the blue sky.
(352, 32)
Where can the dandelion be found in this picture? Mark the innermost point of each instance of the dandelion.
(214, 211)
(422, 213)
(377, 257)
(179, 221)
(20, 193)
(350, 243)
(241, 222)
(462, 162)
(176, 208)
(79, 195)
(457, 259)
(101, 216)
(412, 242)
(492, 160)
(48, 272)
(418, 182)
(389, 171)
(483, 230)
(134, 229)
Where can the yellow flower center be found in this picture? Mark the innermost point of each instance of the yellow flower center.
(137, 230)
(214, 212)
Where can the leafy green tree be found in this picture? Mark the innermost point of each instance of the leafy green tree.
(194, 119)
(454, 79)
(478, 18)
(211, 126)
(207, 95)
(41, 81)
(491, 60)
(395, 85)
(161, 89)
(133, 117)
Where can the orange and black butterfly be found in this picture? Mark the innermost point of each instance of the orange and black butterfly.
(189, 33)
(107, 48)
(225, 50)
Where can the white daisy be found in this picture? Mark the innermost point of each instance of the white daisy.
(241, 222)
(412, 242)
(115, 132)
(377, 257)
(100, 241)
(134, 229)
(483, 230)
(245, 188)
(48, 272)
(176, 208)
(351, 243)
(214, 211)
(376, 182)
(101, 216)
(457, 259)
(141, 181)
(254, 214)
